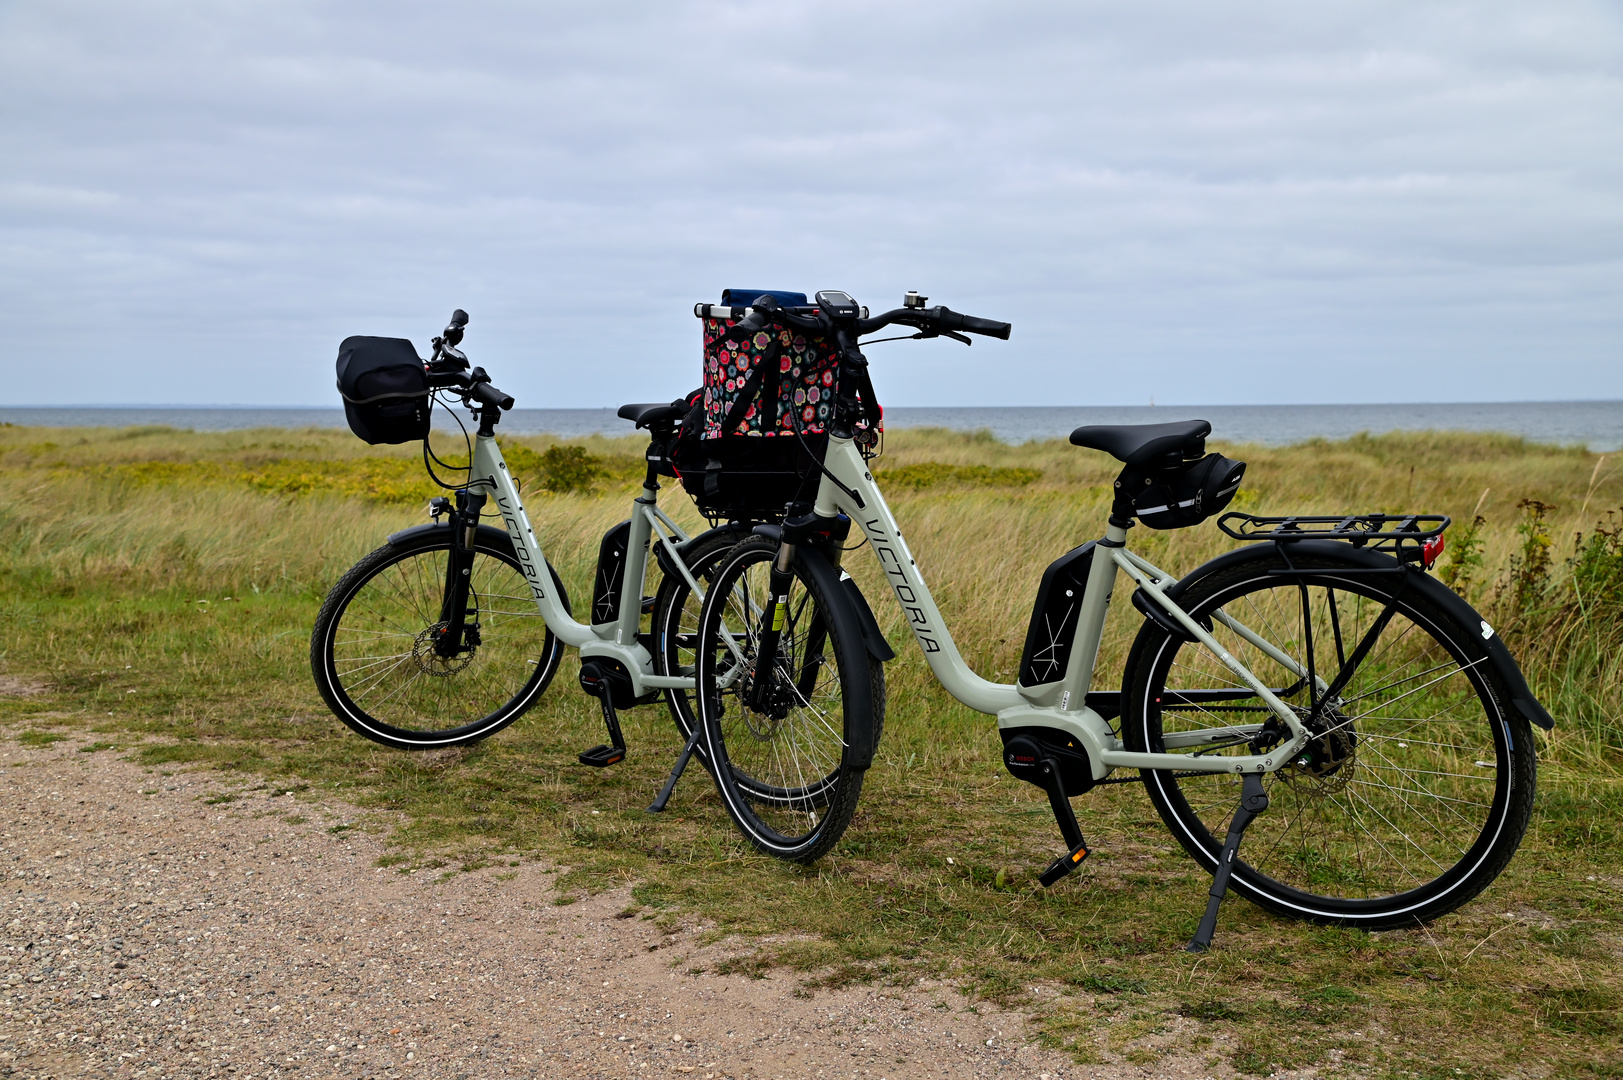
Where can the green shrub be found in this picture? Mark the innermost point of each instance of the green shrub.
(569, 468)
(930, 473)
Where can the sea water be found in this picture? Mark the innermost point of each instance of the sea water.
(1597, 425)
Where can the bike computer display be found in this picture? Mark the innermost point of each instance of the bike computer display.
(837, 304)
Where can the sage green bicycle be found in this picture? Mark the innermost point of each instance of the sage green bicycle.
(1314, 691)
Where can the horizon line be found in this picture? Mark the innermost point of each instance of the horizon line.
(1096, 405)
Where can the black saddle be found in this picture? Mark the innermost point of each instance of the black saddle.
(1136, 444)
(658, 414)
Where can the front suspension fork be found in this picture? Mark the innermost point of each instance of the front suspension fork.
(773, 617)
(456, 633)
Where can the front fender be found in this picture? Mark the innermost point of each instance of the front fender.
(434, 530)
(872, 636)
(1484, 645)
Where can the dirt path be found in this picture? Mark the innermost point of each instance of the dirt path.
(150, 932)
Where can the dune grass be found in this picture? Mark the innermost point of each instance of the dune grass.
(161, 585)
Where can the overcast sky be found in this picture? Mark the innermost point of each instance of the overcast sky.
(1195, 202)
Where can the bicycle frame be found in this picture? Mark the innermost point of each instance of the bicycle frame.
(1059, 705)
(616, 640)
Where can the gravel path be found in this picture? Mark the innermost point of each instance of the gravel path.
(152, 932)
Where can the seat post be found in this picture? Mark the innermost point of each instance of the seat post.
(1121, 505)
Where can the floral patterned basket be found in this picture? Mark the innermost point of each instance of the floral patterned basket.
(804, 384)
(739, 457)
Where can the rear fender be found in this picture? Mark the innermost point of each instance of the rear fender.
(668, 568)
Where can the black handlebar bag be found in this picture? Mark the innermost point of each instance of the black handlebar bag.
(385, 388)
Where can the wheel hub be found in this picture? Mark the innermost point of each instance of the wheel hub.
(779, 699)
(1330, 756)
(774, 711)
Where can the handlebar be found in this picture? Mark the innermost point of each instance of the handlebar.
(448, 370)
(937, 319)
(475, 385)
(931, 321)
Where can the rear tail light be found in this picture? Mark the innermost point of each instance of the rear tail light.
(1430, 550)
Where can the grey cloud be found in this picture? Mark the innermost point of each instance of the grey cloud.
(1221, 203)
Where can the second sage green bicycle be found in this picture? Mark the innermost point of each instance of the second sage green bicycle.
(1314, 691)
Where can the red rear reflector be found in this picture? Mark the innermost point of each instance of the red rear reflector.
(1431, 549)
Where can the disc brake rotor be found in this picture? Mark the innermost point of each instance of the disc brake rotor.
(430, 662)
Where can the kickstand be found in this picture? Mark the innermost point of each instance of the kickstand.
(1253, 801)
(664, 796)
(600, 757)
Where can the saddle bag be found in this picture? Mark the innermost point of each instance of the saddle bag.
(1189, 493)
(385, 389)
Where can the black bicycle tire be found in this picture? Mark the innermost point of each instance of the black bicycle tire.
(357, 719)
(1514, 766)
(862, 696)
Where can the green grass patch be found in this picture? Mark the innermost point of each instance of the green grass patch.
(183, 580)
(39, 738)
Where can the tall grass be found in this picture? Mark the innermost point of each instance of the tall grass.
(162, 585)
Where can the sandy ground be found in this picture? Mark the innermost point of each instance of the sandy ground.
(151, 932)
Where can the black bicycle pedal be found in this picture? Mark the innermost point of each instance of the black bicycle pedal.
(601, 757)
(1064, 865)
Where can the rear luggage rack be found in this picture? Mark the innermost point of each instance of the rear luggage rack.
(1411, 537)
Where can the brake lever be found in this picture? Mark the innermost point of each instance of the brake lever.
(937, 332)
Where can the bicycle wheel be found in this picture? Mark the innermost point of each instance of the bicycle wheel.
(1419, 783)
(374, 661)
(677, 610)
(676, 627)
(786, 774)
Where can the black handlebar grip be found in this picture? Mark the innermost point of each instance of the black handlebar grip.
(989, 327)
(748, 326)
(489, 395)
(949, 319)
